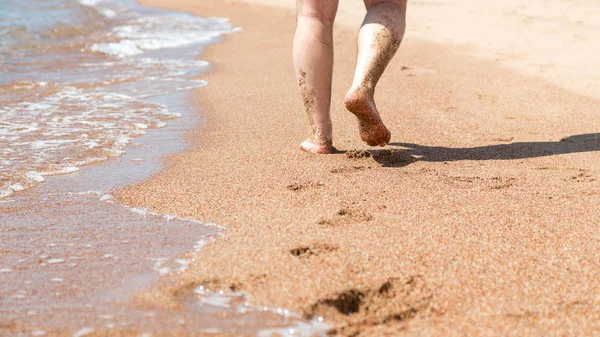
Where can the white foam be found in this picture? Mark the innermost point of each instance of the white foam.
(106, 197)
(200, 244)
(300, 329)
(211, 331)
(90, 3)
(55, 261)
(216, 301)
(68, 169)
(83, 332)
(162, 31)
(68, 121)
(122, 48)
(140, 211)
(182, 262)
(35, 176)
(6, 192)
(17, 187)
(237, 300)
(108, 13)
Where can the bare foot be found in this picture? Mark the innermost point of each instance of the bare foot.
(371, 127)
(313, 147)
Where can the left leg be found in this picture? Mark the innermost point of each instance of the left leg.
(313, 61)
(378, 40)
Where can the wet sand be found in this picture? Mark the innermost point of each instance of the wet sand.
(479, 218)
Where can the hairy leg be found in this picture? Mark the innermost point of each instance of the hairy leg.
(378, 40)
(313, 61)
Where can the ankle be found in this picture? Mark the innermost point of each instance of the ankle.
(361, 92)
(357, 98)
(321, 140)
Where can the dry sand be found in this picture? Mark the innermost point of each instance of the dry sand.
(480, 218)
(554, 39)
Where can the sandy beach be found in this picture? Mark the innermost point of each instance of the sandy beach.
(480, 218)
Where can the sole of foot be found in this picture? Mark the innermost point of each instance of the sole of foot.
(313, 148)
(371, 128)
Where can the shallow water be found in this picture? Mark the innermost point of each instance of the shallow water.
(83, 82)
(72, 258)
(76, 77)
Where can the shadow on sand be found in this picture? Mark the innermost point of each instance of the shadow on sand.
(519, 150)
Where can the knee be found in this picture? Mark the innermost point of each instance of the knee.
(324, 11)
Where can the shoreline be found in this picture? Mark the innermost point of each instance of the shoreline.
(389, 231)
(72, 256)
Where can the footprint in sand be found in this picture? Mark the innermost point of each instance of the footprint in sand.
(487, 98)
(395, 300)
(468, 182)
(313, 250)
(412, 71)
(499, 183)
(303, 185)
(346, 215)
(357, 154)
(502, 139)
(393, 158)
(582, 177)
(353, 168)
(386, 158)
(463, 181)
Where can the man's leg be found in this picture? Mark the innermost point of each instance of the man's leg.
(378, 40)
(313, 61)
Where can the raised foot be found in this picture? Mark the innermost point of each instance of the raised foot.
(316, 148)
(371, 127)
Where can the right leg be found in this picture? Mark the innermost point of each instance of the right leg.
(313, 61)
(378, 40)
